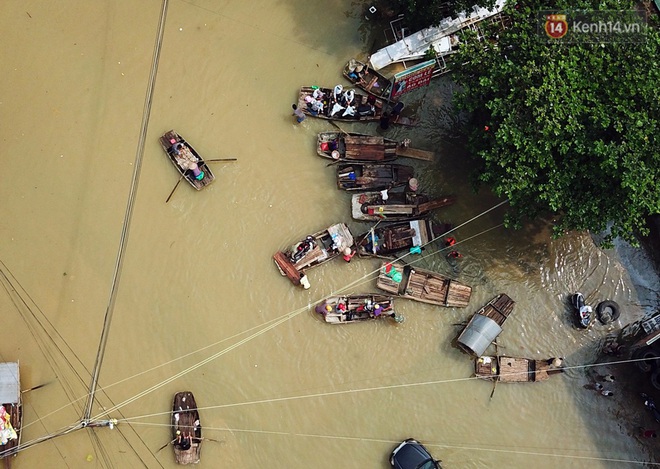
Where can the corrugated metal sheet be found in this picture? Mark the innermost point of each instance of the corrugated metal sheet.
(10, 383)
(479, 334)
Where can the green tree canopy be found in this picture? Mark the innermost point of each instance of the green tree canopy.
(420, 14)
(566, 129)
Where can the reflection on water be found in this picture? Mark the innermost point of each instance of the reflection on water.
(198, 279)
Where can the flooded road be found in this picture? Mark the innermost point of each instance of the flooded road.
(200, 304)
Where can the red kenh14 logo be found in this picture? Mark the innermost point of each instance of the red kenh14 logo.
(556, 26)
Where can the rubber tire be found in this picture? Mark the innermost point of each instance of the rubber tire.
(655, 379)
(607, 312)
(643, 365)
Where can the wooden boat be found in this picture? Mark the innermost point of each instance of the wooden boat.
(354, 308)
(353, 146)
(186, 423)
(186, 160)
(372, 176)
(485, 325)
(11, 410)
(422, 285)
(312, 251)
(367, 79)
(400, 205)
(387, 240)
(516, 370)
(367, 108)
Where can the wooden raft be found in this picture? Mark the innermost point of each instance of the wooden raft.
(415, 153)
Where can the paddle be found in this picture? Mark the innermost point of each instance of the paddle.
(338, 128)
(497, 378)
(165, 445)
(175, 187)
(35, 387)
(221, 159)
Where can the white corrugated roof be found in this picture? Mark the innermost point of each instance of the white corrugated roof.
(415, 45)
(10, 383)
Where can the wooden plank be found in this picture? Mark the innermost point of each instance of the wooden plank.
(415, 153)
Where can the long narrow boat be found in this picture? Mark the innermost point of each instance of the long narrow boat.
(312, 251)
(422, 285)
(11, 410)
(393, 238)
(367, 79)
(186, 160)
(186, 429)
(355, 147)
(399, 205)
(515, 370)
(485, 325)
(353, 308)
(372, 176)
(365, 107)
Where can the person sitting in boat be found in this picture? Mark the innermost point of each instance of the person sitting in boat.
(350, 111)
(314, 106)
(348, 97)
(378, 310)
(318, 94)
(183, 440)
(336, 93)
(336, 108)
(366, 110)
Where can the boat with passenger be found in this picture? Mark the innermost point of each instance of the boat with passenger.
(372, 176)
(355, 308)
(393, 238)
(363, 76)
(186, 160)
(516, 370)
(339, 104)
(186, 429)
(11, 410)
(395, 205)
(313, 250)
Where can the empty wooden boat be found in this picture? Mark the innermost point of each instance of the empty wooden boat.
(516, 370)
(485, 325)
(399, 205)
(11, 410)
(353, 308)
(422, 285)
(186, 429)
(390, 239)
(372, 176)
(186, 160)
(312, 251)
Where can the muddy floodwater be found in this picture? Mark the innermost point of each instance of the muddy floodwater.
(199, 303)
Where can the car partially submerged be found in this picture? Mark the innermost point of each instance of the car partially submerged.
(411, 454)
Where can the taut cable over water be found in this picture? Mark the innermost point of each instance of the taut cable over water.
(139, 154)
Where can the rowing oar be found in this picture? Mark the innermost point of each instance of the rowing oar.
(497, 378)
(33, 388)
(175, 187)
(165, 445)
(339, 128)
(221, 159)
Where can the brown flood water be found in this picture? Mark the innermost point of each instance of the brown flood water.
(198, 283)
